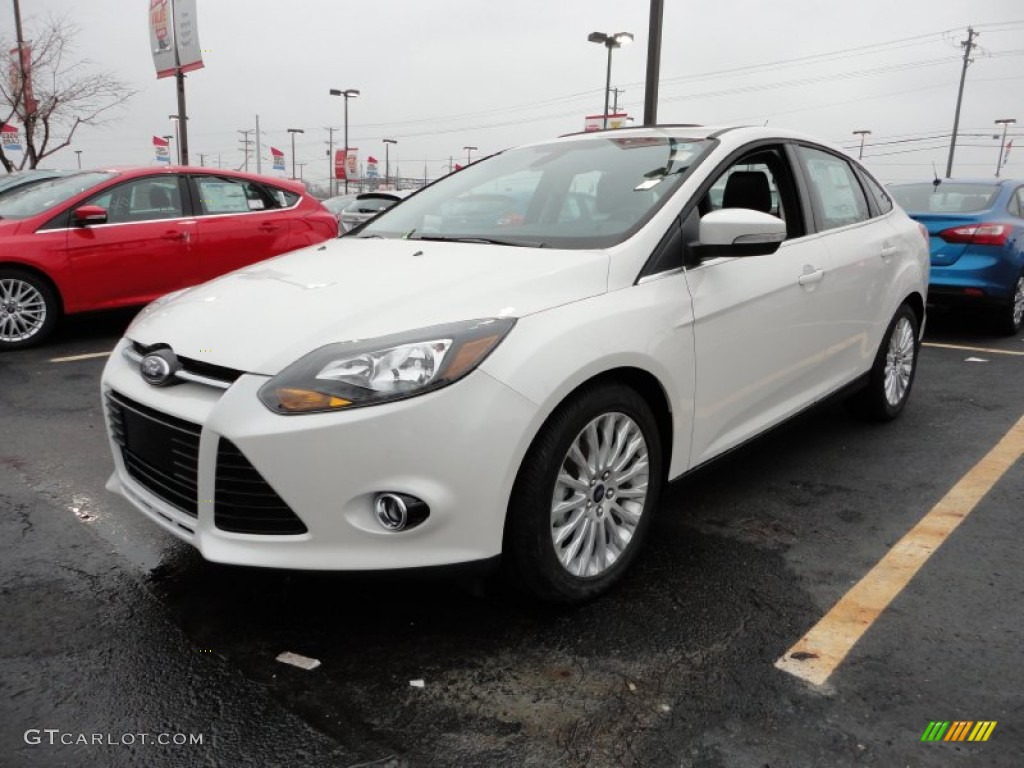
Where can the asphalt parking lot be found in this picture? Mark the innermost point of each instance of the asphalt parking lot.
(112, 627)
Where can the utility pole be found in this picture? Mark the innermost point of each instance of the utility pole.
(259, 160)
(615, 99)
(202, 160)
(301, 172)
(246, 142)
(293, 131)
(653, 62)
(967, 44)
(862, 134)
(332, 187)
(387, 160)
(22, 94)
(1005, 122)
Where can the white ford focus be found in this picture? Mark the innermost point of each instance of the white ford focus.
(513, 361)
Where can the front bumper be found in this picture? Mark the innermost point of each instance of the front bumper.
(458, 449)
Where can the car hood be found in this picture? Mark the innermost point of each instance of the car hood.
(264, 317)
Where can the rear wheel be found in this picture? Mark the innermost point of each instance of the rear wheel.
(1010, 316)
(585, 495)
(892, 374)
(28, 309)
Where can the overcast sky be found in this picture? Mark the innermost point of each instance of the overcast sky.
(438, 75)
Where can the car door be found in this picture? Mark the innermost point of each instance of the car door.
(143, 249)
(759, 321)
(864, 252)
(240, 222)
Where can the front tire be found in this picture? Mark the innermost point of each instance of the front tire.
(29, 309)
(892, 374)
(585, 495)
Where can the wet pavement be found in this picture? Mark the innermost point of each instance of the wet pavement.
(112, 627)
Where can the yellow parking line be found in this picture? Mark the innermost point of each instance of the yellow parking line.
(73, 358)
(817, 654)
(973, 349)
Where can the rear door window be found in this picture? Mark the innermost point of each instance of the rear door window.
(221, 194)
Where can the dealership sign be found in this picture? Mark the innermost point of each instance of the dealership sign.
(346, 164)
(596, 122)
(174, 36)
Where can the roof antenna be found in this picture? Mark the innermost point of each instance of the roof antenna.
(765, 124)
(937, 180)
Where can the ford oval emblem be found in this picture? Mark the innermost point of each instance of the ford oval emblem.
(158, 368)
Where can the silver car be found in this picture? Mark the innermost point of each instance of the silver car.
(367, 205)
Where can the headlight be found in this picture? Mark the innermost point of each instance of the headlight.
(358, 373)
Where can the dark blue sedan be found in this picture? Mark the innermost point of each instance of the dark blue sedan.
(977, 244)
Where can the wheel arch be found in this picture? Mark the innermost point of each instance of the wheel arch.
(916, 303)
(36, 272)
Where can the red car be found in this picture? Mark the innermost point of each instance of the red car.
(115, 238)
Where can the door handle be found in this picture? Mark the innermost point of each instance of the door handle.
(811, 277)
(269, 227)
(175, 235)
(888, 251)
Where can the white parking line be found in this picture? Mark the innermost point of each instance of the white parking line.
(973, 349)
(818, 653)
(75, 358)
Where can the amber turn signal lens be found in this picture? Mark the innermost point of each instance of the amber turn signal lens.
(299, 400)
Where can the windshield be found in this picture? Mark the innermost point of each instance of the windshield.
(37, 198)
(945, 197)
(586, 193)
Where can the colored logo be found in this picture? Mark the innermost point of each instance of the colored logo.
(958, 730)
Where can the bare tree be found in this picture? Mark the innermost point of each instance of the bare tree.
(67, 94)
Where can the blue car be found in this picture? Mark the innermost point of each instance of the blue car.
(977, 244)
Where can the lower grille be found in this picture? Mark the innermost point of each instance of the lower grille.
(160, 452)
(244, 502)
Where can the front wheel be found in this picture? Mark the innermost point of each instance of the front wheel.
(28, 309)
(892, 374)
(585, 495)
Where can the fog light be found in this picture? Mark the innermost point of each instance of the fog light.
(399, 511)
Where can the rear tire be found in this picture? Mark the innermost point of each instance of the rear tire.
(892, 374)
(585, 495)
(1010, 316)
(29, 309)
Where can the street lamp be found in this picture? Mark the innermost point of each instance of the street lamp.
(293, 131)
(469, 153)
(387, 160)
(862, 134)
(349, 93)
(611, 41)
(176, 135)
(79, 153)
(1005, 122)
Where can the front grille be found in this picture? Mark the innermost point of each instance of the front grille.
(160, 452)
(244, 502)
(197, 367)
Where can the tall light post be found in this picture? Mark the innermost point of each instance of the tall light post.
(293, 131)
(1005, 122)
(349, 93)
(387, 160)
(177, 134)
(611, 41)
(469, 154)
(79, 153)
(862, 134)
(168, 139)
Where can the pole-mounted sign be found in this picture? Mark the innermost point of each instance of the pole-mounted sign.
(174, 36)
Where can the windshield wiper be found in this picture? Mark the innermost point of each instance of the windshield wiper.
(485, 240)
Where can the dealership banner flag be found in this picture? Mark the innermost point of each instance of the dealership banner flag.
(346, 164)
(162, 150)
(9, 138)
(278, 156)
(14, 78)
(174, 36)
(371, 167)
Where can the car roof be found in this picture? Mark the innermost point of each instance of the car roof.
(942, 182)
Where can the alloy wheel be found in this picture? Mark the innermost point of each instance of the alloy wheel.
(22, 310)
(899, 361)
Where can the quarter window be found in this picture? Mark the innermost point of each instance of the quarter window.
(1017, 203)
(881, 197)
(838, 195)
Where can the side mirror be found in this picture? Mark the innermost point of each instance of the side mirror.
(738, 232)
(90, 214)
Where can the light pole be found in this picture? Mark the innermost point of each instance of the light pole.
(862, 134)
(1005, 122)
(168, 140)
(293, 131)
(611, 41)
(79, 153)
(349, 93)
(387, 160)
(469, 154)
(177, 134)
